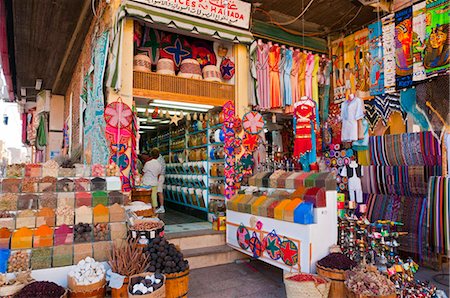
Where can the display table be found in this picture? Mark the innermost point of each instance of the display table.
(287, 245)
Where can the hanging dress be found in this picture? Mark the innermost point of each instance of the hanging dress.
(294, 76)
(301, 74)
(305, 118)
(281, 65)
(351, 112)
(274, 59)
(262, 75)
(315, 80)
(308, 75)
(287, 78)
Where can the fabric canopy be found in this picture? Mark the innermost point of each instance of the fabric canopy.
(155, 15)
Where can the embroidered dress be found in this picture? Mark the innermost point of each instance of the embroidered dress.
(351, 112)
(305, 118)
(301, 74)
(274, 58)
(287, 78)
(262, 76)
(315, 81)
(308, 75)
(294, 76)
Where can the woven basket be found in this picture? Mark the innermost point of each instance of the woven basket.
(306, 289)
(160, 293)
(350, 294)
(9, 291)
(337, 278)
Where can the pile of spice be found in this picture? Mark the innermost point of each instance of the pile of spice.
(101, 232)
(18, 261)
(87, 272)
(337, 261)
(164, 257)
(147, 225)
(141, 285)
(8, 201)
(45, 289)
(303, 277)
(366, 281)
(82, 232)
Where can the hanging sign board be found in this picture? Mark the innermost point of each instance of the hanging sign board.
(236, 13)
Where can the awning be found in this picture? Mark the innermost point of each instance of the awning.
(156, 15)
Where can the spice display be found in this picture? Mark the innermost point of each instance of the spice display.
(7, 220)
(22, 238)
(337, 261)
(99, 197)
(98, 170)
(5, 235)
(50, 168)
(15, 170)
(26, 218)
(33, 170)
(147, 225)
(128, 259)
(41, 258)
(8, 202)
(43, 236)
(101, 232)
(164, 257)
(48, 199)
(116, 213)
(63, 235)
(83, 199)
(45, 216)
(82, 184)
(82, 170)
(64, 216)
(101, 250)
(116, 197)
(83, 214)
(141, 285)
(87, 272)
(66, 199)
(118, 230)
(11, 185)
(66, 171)
(28, 201)
(82, 251)
(41, 289)
(65, 185)
(20, 279)
(30, 184)
(62, 255)
(101, 213)
(307, 277)
(19, 261)
(47, 183)
(368, 281)
(98, 184)
(82, 233)
(112, 170)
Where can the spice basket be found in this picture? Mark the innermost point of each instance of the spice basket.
(351, 294)
(337, 277)
(160, 293)
(177, 284)
(306, 289)
(94, 290)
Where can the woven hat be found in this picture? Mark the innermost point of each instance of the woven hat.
(211, 73)
(227, 69)
(190, 68)
(142, 63)
(165, 66)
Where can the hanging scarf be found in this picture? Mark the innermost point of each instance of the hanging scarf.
(376, 59)
(403, 49)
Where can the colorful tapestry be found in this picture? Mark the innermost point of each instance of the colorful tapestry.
(376, 59)
(95, 145)
(203, 52)
(349, 64)
(150, 42)
(385, 105)
(175, 47)
(437, 40)
(409, 105)
(403, 48)
(389, 53)
(337, 52)
(418, 42)
(438, 214)
(362, 63)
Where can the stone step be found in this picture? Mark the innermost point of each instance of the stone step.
(212, 256)
(197, 239)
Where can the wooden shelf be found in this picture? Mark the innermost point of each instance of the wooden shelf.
(153, 85)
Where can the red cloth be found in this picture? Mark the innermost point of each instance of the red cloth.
(305, 118)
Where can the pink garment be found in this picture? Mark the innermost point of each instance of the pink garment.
(294, 76)
(308, 75)
(262, 75)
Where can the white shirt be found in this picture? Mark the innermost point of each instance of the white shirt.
(163, 164)
(152, 169)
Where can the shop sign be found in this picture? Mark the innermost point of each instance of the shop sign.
(235, 13)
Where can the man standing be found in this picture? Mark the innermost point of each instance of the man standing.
(161, 180)
(152, 171)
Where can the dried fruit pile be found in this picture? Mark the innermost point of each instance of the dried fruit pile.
(363, 281)
(337, 261)
(41, 289)
(164, 257)
(302, 277)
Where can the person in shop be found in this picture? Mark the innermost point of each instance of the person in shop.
(151, 172)
(161, 180)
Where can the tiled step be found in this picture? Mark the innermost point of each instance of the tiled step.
(197, 239)
(211, 256)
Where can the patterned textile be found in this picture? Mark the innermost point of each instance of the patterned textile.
(437, 41)
(409, 105)
(389, 53)
(403, 48)
(175, 47)
(362, 63)
(151, 42)
(95, 145)
(376, 59)
(337, 52)
(438, 215)
(203, 52)
(349, 64)
(382, 107)
(431, 92)
(262, 76)
(418, 42)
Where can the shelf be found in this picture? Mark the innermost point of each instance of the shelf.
(216, 126)
(188, 205)
(197, 132)
(177, 150)
(197, 147)
(216, 160)
(177, 138)
(216, 144)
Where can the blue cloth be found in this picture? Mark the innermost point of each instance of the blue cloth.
(409, 105)
(115, 280)
(287, 99)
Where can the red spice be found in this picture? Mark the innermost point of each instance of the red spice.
(307, 277)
